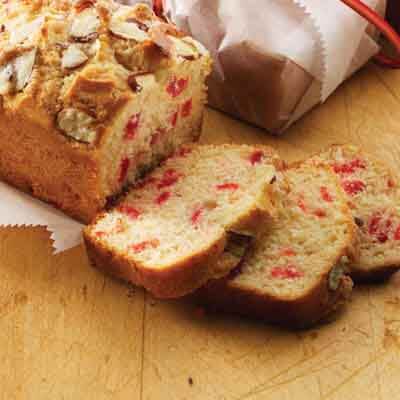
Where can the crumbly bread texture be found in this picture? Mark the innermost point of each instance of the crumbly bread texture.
(294, 274)
(171, 229)
(373, 194)
(92, 94)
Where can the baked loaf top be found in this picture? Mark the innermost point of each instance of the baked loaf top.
(293, 275)
(71, 65)
(373, 194)
(182, 216)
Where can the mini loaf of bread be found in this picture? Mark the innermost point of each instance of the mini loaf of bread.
(373, 194)
(171, 230)
(294, 274)
(92, 94)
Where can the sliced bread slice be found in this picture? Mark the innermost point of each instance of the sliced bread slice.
(170, 230)
(294, 274)
(373, 195)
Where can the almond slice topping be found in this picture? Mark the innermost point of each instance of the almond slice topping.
(73, 57)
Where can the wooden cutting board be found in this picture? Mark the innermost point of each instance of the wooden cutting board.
(68, 332)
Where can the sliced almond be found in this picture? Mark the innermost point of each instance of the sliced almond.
(94, 48)
(128, 30)
(77, 124)
(183, 49)
(158, 34)
(23, 68)
(197, 45)
(73, 57)
(85, 24)
(6, 75)
(21, 33)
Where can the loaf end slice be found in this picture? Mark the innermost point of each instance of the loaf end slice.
(295, 274)
(373, 194)
(171, 229)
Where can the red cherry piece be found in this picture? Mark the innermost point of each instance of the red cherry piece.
(195, 218)
(256, 157)
(380, 227)
(162, 198)
(382, 237)
(397, 233)
(132, 126)
(130, 211)
(177, 86)
(288, 272)
(183, 152)
(287, 252)
(123, 170)
(302, 205)
(353, 187)
(325, 194)
(391, 183)
(320, 213)
(174, 119)
(169, 178)
(373, 225)
(228, 186)
(100, 234)
(142, 246)
(187, 108)
(349, 167)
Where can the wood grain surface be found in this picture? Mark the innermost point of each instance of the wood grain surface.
(68, 332)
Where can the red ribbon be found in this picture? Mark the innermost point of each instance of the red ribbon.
(383, 26)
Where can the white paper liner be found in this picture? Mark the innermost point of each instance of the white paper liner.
(18, 209)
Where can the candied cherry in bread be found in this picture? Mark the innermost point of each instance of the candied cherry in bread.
(123, 169)
(289, 271)
(142, 246)
(163, 198)
(256, 157)
(228, 186)
(169, 178)
(130, 211)
(177, 86)
(353, 187)
(132, 126)
(349, 167)
(326, 196)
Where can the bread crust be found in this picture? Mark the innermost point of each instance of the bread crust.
(39, 160)
(173, 282)
(317, 305)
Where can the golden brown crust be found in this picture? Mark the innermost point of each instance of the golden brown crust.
(317, 305)
(177, 281)
(51, 167)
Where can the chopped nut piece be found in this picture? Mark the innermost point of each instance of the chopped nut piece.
(77, 124)
(128, 30)
(6, 74)
(85, 24)
(73, 57)
(23, 66)
(25, 31)
(197, 45)
(183, 49)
